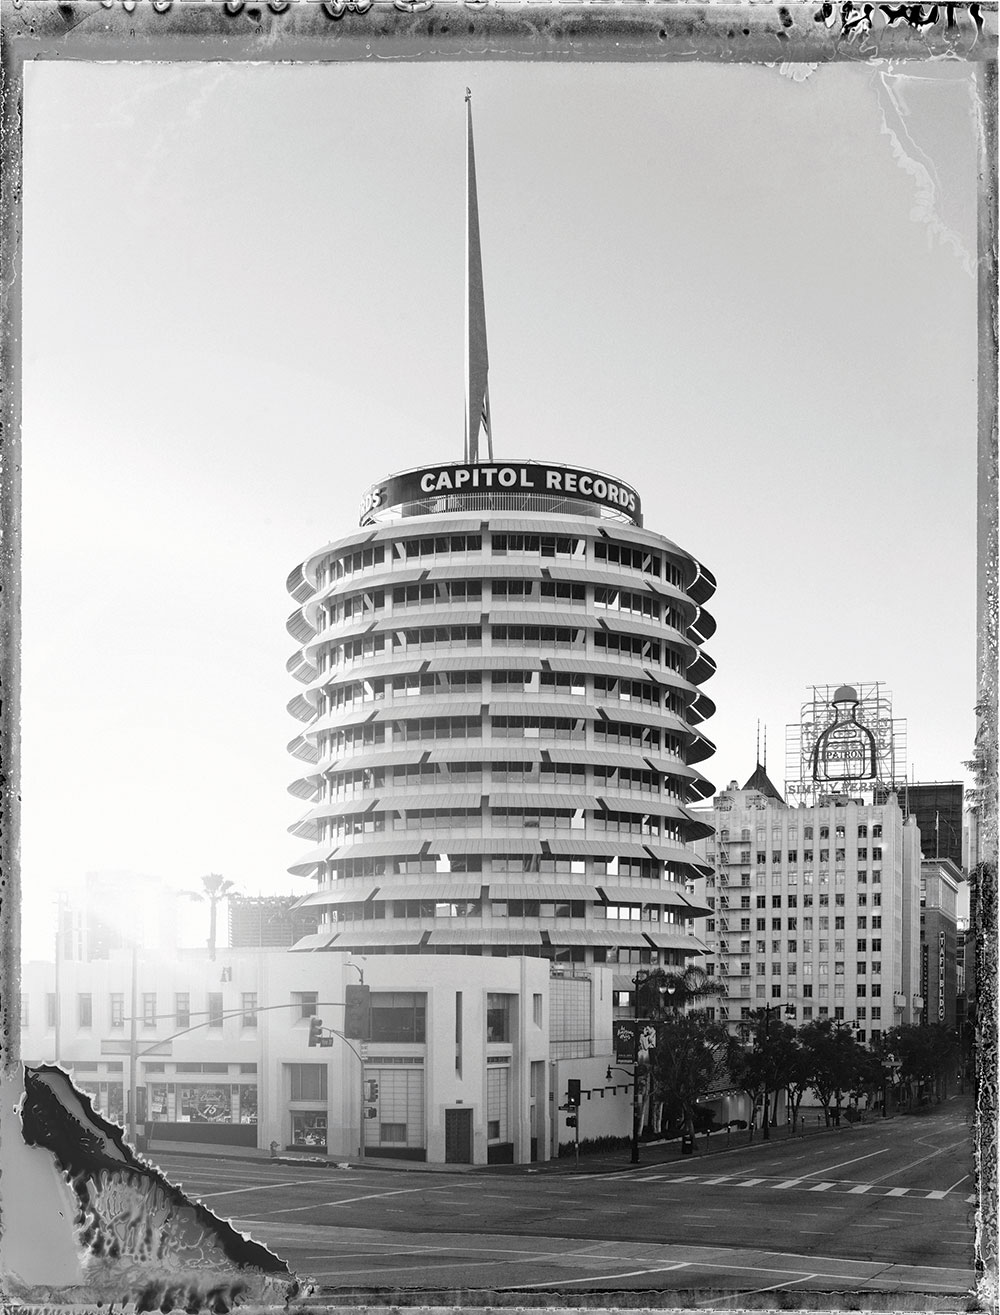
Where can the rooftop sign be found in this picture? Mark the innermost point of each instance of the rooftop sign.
(497, 477)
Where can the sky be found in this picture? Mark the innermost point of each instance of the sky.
(748, 291)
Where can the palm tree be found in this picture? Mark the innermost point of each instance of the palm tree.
(666, 992)
(216, 888)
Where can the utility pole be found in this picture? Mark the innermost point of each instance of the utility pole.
(133, 1051)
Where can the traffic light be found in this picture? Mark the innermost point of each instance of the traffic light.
(573, 1091)
(571, 1120)
(357, 1013)
(315, 1030)
(371, 1089)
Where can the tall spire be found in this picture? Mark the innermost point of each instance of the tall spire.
(477, 392)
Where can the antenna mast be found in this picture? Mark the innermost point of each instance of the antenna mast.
(477, 393)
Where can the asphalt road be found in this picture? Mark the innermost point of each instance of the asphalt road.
(886, 1206)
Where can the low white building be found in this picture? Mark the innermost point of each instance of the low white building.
(467, 1063)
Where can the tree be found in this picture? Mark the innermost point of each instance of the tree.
(663, 993)
(685, 1064)
(764, 1065)
(832, 1056)
(925, 1053)
(216, 888)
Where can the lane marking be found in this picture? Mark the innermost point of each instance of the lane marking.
(746, 1292)
(262, 1187)
(829, 1167)
(961, 1180)
(600, 1278)
(352, 1200)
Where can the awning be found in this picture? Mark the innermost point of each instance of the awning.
(543, 890)
(484, 936)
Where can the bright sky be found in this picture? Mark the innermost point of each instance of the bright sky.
(750, 296)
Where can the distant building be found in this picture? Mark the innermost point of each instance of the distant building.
(814, 907)
(937, 806)
(940, 883)
(115, 910)
(268, 921)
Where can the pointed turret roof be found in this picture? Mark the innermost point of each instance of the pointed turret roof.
(762, 782)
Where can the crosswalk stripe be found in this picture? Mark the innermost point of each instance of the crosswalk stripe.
(710, 1181)
(857, 1191)
(897, 1191)
(822, 1187)
(750, 1182)
(971, 1200)
(790, 1182)
(936, 1196)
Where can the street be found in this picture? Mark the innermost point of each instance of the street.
(885, 1206)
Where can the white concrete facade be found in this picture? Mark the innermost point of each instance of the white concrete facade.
(470, 1055)
(814, 907)
(501, 725)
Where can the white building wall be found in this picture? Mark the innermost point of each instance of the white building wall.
(446, 1071)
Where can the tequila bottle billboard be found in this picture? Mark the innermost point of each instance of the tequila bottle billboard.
(846, 750)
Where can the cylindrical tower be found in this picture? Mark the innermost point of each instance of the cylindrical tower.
(502, 712)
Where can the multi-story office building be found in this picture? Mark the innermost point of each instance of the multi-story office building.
(814, 907)
(937, 806)
(502, 721)
(268, 920)
(941, 880)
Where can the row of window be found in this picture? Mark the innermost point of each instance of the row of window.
(503, 726)
(613, 780)
(626, 869)
(789, 968)
(778, 833)
(411, 638)
(823, 923)
(452, 593)
(376, 910)
(558, 819)
(148, 1015)
(502, 545)
(808, 901)
(358, 693)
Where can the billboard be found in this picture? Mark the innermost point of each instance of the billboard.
(845, 742)
(432, 482)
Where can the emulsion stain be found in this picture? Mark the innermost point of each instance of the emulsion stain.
(140, 1240)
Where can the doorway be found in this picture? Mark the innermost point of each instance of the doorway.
(458, 1136)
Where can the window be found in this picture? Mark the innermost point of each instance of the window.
(399, 1016)
(117, 1009)
(498, 1017)
(762, 901)
(776, 924)
(762, 924)
(50, 1009)
(215, 1010)
(24, 1010)
(307, 1081)
(149, 1009)
(84, 1010)
(775, 901)
(249, 1009)
(182, 1010)
(306, 1001)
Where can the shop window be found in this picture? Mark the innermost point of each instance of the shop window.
(309, 1128)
